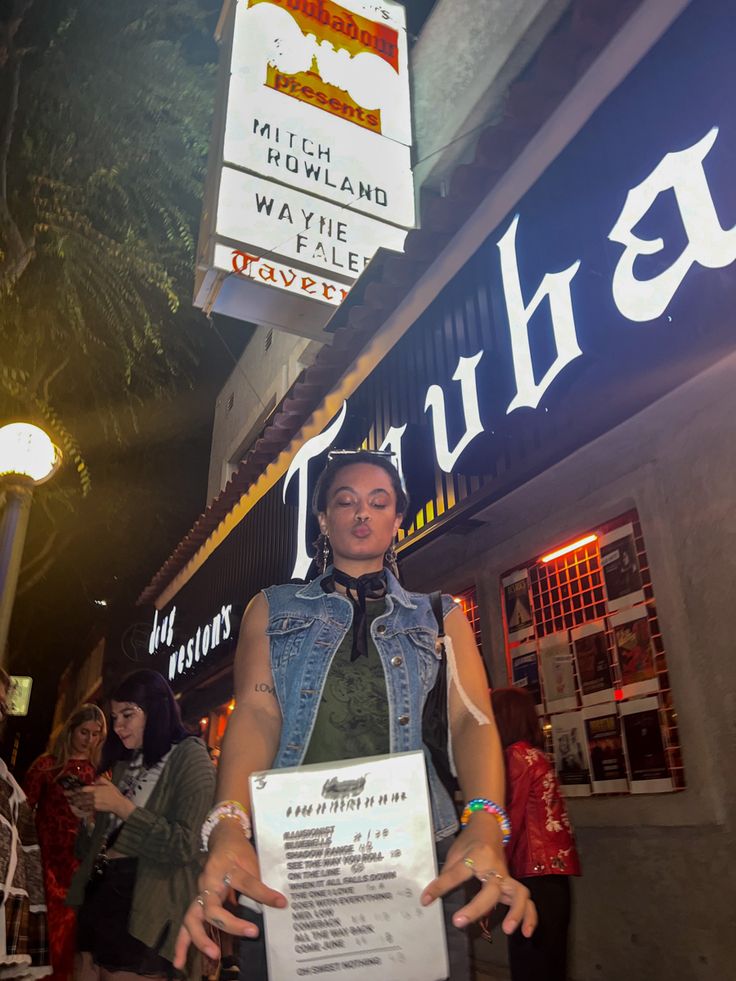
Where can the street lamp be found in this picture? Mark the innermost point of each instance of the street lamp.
(27, 458)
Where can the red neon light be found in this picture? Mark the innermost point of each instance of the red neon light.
(569, 548)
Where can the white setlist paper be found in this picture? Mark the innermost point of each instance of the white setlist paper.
(350, 845)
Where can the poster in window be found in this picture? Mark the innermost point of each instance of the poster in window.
(558, 672)
(518, 605)
(605, 750)
(635, 652)
(571, 754)
(621, 571)
(594, 666)
(525, 669)
(645, 747)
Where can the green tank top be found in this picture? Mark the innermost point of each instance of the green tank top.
(352, 718)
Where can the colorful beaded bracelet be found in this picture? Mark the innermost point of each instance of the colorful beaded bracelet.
(481, 804)
(226, 809)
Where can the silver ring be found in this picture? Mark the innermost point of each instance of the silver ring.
(199, 900)
(490, 874)
(227, 880)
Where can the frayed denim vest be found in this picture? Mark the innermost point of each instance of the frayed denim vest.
(305, 629)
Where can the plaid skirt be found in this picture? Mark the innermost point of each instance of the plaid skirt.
(26, 953)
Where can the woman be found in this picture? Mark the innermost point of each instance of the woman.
(141, 858)
(542, 851)
(359, 502)
(71, 763)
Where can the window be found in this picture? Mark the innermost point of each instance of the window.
(582, 636)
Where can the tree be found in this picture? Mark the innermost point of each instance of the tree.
(105, 114)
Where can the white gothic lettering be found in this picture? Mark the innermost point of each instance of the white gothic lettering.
(435, 400)
(708, 243)
(557, 287)
(300, 464)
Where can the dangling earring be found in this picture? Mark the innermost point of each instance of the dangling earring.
(391, 561)
(325, 551)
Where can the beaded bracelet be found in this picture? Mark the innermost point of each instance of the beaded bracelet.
(226, 809)
(481, 804)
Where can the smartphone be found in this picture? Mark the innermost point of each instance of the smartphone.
(70, 782)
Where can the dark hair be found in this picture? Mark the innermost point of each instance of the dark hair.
(516, 717)
(164, 727)
(341, 460)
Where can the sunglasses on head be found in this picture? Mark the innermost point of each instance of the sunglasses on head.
(338, 454)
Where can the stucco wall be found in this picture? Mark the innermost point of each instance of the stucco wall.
(658, 892)
(257, 384)
(468, 53)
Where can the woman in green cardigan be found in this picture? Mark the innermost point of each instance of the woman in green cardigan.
(141, 856)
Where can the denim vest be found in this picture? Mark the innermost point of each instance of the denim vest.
(305, 629)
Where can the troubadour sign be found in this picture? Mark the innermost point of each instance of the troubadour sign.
(313, 166)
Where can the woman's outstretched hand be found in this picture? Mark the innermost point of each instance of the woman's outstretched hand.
(477, 853)
(232, 866)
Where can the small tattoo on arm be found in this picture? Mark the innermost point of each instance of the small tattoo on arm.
(263, 687)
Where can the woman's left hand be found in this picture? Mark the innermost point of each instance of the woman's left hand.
(105, 796)
(473, 855)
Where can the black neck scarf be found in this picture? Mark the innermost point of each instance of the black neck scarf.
(371, 586)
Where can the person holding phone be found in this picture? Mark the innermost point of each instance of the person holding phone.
(141, 844)
(69, 765)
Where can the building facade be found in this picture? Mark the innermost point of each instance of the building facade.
(552, 361)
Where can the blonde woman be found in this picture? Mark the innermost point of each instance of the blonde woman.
(70, 764)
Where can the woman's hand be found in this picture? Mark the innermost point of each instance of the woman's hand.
(478, 852)
(105, 796)
(80, 805)
(232, 865)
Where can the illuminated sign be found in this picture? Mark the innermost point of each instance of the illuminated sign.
(313, 169)
(638, 296)
(197, 647)
(19, 694)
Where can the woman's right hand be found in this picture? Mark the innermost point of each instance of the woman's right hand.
(232, 865)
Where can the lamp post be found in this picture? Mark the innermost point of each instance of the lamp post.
(27, 458)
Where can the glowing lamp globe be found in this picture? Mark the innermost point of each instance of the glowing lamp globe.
(26, 451)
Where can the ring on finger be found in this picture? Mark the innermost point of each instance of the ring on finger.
(469, 863)
(490, 874)
(227, 879)
(199, 900)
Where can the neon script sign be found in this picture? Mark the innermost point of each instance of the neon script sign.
(638, 298)
(203, 642)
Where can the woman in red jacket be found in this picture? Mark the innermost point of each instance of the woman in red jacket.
(71, 764)
(542, 852)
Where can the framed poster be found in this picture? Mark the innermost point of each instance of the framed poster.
(635, 653)
(517, 605)
(525, 669)
(605, 750)
(571, 754)
(645, 750)
(558, 673)
(620, 564)
(594, 667)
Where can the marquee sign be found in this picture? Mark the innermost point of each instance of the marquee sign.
(313, 162)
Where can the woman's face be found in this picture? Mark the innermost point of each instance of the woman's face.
(85, 738)
(361, 519)
(128, 723)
